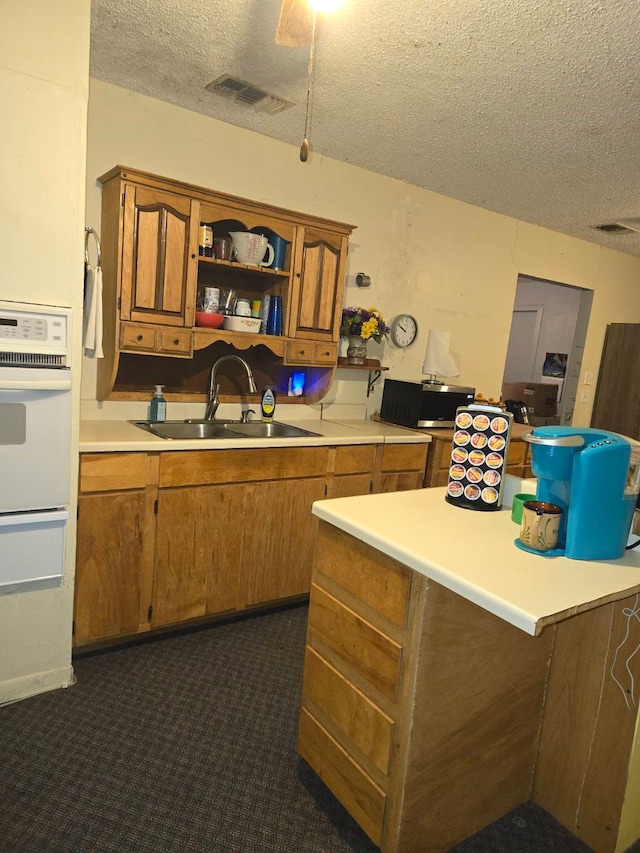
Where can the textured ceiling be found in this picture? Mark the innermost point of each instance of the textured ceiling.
(530, 108)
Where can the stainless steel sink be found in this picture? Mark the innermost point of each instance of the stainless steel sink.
(266, 429)
(222, 429)
(180, 429)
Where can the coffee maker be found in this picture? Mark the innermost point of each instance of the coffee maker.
(594, 475)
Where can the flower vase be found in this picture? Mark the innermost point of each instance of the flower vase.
(356, 350)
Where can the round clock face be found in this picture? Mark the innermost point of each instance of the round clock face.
(404, 330)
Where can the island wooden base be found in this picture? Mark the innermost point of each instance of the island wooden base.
(426, 715)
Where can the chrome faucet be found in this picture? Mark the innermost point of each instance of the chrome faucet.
(213, 402)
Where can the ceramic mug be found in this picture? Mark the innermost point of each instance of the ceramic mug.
(540, 525)
(250, 249)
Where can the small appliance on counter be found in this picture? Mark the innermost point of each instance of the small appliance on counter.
(519, 411)
(423, 404)
(594, 475)
(478, 457)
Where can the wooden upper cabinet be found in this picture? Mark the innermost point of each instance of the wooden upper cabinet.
(159, 257)
(152, 276)
(319, 271)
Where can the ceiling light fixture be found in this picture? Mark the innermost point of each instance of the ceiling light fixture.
(326, 5)
(319, 6)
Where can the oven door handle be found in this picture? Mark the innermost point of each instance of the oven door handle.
(35, 384)
(18, 519)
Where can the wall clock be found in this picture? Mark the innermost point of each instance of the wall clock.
(403, 330)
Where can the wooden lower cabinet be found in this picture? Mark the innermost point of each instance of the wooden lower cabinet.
(279, 538)
(420, 711)
(114, 549)
(401, 467)
(111, 581)
(223, 548)
(198, 558)
(170, 537)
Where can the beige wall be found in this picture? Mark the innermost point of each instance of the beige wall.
(452, 265)
(44, 74)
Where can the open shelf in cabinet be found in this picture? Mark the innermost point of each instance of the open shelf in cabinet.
(243, 268)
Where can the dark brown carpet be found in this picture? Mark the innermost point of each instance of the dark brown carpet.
(187, 745)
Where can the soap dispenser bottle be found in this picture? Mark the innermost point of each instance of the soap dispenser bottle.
(268, 403)
(158, 407)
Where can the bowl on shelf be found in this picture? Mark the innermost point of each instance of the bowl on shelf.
(210, 321)
(242, 324)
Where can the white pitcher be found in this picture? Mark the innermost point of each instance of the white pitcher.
(250, 249)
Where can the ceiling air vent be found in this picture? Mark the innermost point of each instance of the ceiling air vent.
(253, 96)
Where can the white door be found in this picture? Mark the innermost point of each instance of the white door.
(523, 344)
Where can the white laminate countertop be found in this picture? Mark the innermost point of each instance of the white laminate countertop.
(473, 554)
(97, 436)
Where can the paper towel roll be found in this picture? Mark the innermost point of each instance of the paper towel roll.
(438, 361)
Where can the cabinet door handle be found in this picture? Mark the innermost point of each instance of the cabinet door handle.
(176, 342)
(139, 338)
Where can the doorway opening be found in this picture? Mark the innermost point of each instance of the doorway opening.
(546, 343)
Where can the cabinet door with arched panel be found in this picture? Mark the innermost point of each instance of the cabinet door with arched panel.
(318, 283)
(159, 257)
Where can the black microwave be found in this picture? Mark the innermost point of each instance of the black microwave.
(423, 404)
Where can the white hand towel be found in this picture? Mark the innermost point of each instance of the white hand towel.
(92, 319)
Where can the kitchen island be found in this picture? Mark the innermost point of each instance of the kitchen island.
(450, 676)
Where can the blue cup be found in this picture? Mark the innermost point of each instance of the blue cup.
(279, 252)
(274, 317)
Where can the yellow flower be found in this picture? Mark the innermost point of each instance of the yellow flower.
(369, 328)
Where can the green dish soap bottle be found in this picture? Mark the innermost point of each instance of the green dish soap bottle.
(268, 403)
(158, 407)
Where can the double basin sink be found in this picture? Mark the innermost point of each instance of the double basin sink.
(222, 429)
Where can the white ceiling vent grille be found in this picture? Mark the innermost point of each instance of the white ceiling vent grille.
(239, 90)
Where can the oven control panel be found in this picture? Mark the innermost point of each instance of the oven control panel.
(33, 328)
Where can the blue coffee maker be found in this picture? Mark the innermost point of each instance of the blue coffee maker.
(594, 476)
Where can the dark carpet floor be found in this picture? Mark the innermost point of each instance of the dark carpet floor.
(187, 745)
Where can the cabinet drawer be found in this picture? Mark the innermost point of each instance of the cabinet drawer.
(311, 352)
(105, 472)
(383, 587)
(404, 457)
(137, 337)
(175, 341)
(201, 467)
(357, 792)
(299, 352)
(325, 353)
(361, 721)
(354, 458)
(362, 645)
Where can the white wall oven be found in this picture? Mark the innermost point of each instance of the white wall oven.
(35, 443)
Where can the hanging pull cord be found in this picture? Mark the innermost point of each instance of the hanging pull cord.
(304, 148)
